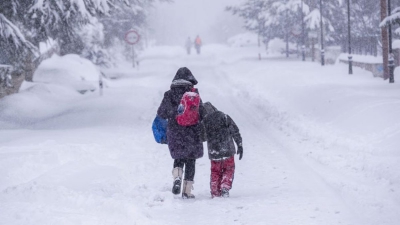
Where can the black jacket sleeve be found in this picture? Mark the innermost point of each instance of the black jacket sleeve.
(203, 134)
(202, 111)
(234, 131)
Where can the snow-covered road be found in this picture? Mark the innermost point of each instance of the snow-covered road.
(320, 147)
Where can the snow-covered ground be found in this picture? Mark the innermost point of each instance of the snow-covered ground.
(320, 147)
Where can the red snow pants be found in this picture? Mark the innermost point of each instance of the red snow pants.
(222, 172)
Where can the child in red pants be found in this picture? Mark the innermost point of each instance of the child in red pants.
(220, 131)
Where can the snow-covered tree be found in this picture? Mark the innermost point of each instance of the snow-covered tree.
(60, 19)
(275, 18)
(76, 25)
(125, 15)
(365, 16)
(271, 18)
(252, 11)
(12, 41)
(393, 19)
(92, 39)
(288, 18)
(364, 19)
(334, 19)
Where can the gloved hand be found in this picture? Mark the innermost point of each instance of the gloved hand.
(240, 152)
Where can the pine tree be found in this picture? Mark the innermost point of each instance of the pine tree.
(60, 19)
(253, 12)
(270, 18)
(125, 15)
(12, 41)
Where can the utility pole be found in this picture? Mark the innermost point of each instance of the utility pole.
(385, 39)
(349, 36)
(391, 58)
(287, 36)
(322, 35)
(303, 47)
(259, 44)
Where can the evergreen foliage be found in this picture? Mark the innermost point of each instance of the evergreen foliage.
(276, 18)
(26, 23)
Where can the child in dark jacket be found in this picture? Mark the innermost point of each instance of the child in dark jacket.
(220, 131)
(184, 142)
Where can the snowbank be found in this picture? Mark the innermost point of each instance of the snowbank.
(162, 52)
(278, 46)
(70, 71)
(34, 103)
(396, 74)
(243, 40)
(362, 58)
(396, 44)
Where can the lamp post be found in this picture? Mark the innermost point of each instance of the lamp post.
(391, 58)
(303, 47)
(349, 37)
(322, 35)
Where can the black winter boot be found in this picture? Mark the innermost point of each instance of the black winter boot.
(176, 188)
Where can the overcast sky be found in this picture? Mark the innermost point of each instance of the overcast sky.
(173, 22)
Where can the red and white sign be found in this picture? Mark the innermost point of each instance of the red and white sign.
(132, 37)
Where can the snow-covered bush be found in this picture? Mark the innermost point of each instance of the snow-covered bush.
(243, 40)
(278, 46)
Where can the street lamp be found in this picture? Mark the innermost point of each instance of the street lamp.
(302, 33)
(391, 58)
(349, 36)
(322, 35)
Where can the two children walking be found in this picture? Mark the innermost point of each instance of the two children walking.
(184, 139)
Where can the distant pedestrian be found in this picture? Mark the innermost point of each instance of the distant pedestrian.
(188, 45)
(220, 131)
(198, 44)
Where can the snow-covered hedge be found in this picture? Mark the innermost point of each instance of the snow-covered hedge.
(278, 46)
(243, 40)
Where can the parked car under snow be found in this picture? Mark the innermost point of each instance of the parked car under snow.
(70, 70)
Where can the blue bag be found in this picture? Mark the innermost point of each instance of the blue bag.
(160, 130)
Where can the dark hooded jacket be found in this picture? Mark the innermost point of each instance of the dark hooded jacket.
(219, 132)
(184, 142)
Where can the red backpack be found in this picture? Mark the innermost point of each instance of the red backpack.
(188, 109)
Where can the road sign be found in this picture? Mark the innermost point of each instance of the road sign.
(132, 37)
